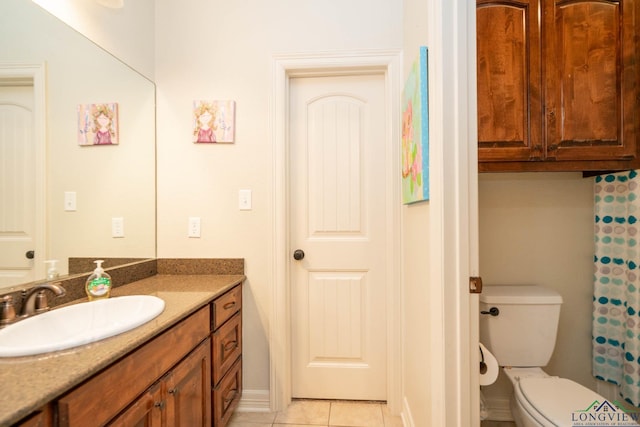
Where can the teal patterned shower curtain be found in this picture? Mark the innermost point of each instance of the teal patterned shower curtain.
(616, 302)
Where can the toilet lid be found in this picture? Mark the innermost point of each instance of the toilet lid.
(557, 398)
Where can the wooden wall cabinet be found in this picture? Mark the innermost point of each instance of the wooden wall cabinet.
(558, 85)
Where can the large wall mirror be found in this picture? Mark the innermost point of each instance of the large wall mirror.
(63, 195)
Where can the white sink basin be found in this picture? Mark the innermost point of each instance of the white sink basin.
(78, 324)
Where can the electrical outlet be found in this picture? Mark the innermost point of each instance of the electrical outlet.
(117, 227)
(194, 226)
(69, 201)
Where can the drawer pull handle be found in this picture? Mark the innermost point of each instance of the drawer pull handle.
(159, 404)
(230, 395)
(229, 305)
(173, 391)
(230, 345)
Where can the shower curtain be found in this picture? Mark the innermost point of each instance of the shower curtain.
(616, 311)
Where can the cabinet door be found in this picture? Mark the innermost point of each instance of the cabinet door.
(509, 80)
(146, 411)
(189, 390)
(591, 79)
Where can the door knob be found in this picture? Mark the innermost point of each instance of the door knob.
(298, 254)
(30, 254)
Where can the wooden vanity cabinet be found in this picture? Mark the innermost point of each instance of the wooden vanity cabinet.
(558, 85)
(190, 375)
(226, 340)
(181, 398)
(40, 418)
(169, 378)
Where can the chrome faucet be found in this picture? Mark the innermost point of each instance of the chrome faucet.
(35, 301)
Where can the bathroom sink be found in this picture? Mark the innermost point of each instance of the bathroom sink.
(78, 324)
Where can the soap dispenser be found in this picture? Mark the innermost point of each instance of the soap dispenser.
(98, 285)
(52, 269)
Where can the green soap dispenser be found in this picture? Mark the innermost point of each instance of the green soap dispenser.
(98, 284)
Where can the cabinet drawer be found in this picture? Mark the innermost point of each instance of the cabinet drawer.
(226, 306)
(226, 395)
(227, 346)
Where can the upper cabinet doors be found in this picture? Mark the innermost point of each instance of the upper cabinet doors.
(558, 84)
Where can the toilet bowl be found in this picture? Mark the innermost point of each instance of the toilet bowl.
(542, 400)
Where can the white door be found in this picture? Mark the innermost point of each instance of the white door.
(17, 184)
(338, 218)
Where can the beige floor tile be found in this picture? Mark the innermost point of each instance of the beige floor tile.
(313, 412)
(390, 420)
(247, 424)
(355, 414)
(252, 419)
(487, 423)
(300, 425)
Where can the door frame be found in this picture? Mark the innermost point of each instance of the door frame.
(285, 67)
(35, 74)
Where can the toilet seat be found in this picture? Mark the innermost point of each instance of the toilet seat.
(552, 400)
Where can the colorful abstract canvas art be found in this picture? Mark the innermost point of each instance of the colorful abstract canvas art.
(415, 132)
(213, 121)
(98, 124)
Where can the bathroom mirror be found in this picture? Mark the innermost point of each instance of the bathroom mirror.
(91, 200)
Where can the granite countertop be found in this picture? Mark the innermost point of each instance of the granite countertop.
(32, 381)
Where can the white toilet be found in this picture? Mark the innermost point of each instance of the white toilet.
(518, 325)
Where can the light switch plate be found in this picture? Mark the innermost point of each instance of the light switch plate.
(69, 201)
(244, 200)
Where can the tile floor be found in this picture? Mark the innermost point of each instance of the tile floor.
(497, 424)
(321, 413)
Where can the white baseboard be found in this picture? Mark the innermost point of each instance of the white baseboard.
(254, 401)
(607, 390)
(499, 409)
(407, 419)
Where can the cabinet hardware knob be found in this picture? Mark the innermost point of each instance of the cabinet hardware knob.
(159, 404)
(230, 345)
(172, 391)
(30, 254)
(230, 395)
(298, 254)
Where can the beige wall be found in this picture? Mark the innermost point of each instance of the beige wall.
(223, 50)
(537, 228)
(127, 32)
(416, 262)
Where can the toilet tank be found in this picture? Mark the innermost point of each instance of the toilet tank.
(524, 332)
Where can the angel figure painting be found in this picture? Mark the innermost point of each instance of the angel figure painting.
(213, 121)
(98, 124)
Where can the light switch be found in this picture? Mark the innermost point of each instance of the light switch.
(69, 201)
(244, 200)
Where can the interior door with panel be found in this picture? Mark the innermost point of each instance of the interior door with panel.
(338, 225)
(17, 185)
